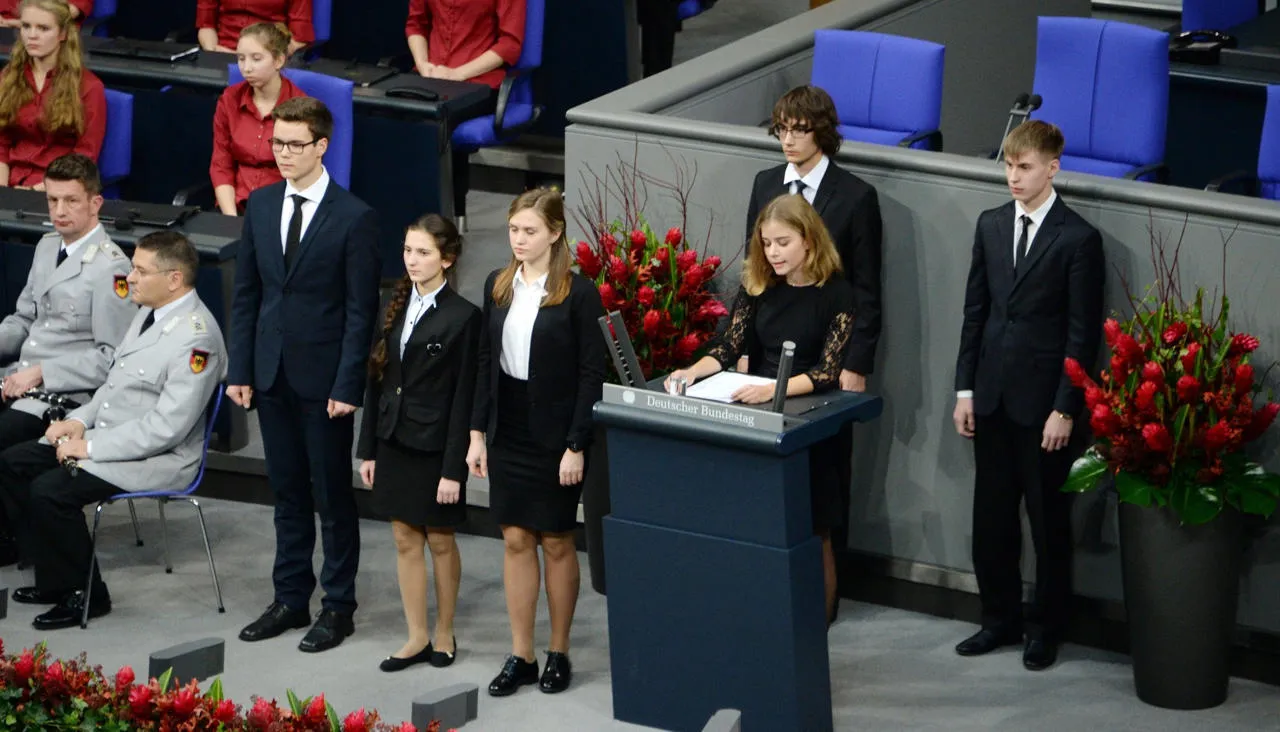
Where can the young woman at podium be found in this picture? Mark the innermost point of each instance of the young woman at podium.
(50, 105)
(242, 160)
(791, 291)
(414, 437)
(542, 361)
(219, 22)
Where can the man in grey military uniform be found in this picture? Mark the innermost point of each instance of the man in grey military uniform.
(143, 430)
(70, 316)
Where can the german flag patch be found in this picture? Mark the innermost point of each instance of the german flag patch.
(122, 286)
(199, 359)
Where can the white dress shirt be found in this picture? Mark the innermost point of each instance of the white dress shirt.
(314, 193)
(418, 306)
(517, 331)
(71, 248)
(811, 181)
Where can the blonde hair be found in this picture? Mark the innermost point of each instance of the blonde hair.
(63, 113)
(549, 206)
(275, 37)
(1035, 135)
(820, 262)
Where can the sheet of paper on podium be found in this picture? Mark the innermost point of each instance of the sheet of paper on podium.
(720, 387)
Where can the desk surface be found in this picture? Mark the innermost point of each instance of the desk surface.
(1255, 61)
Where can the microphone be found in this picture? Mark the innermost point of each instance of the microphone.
(1034, 103)
(784, 375)
(1021, 108)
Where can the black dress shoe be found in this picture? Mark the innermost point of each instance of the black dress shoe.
(67, 614)
(557, 674)
(278, 618)
(392, 663)
(1039, 654)
(516, 672)
(330, 629)
(440, 659)
(986, 641)
(36, 596)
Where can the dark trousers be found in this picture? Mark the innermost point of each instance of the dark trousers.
(1011, 467)
(658, 25)
(16, 428)
(49, 502)
(309, 467)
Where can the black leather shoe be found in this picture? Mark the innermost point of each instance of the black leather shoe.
(516, 672)
(330, 629)
(986, 641)
(278, 618)
(67, 614)
(1039, 654)
(35, 596)
(392, 663)
(557, 674)
(440, 659)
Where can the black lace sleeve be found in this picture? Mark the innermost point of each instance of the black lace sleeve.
(826, 374)
(732, 343)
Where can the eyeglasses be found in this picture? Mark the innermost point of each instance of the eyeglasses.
(294, 147)
(147, 273)
(781, 131)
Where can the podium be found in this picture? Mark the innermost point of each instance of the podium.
(715, 576)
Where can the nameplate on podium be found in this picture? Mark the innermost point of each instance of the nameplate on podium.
(698, 410)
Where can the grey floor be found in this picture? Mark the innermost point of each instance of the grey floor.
(890, 669)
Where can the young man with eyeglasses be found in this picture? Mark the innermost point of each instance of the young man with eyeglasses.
(804, 121)
(306, 295)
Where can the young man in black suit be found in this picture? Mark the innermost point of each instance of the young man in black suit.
(1034, 297)
(306, 295)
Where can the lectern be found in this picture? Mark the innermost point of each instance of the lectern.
(715, 577)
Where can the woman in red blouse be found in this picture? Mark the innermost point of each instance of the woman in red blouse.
(242, 125)
(465, 40)
(50, 105)
(221, 21)
(80, 9)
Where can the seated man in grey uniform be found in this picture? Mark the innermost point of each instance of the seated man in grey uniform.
(143, 430)
(71, 314)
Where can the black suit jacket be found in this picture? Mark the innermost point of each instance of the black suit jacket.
(316, 317)
(850, 209)
(566, 366)
(1017, 332)
(424, 401)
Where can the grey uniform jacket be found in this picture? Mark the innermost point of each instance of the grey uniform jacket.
(69, 318)
(146, 423)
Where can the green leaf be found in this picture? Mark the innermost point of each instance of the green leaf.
(1194, 503)
(215, 690)
(1085, 473)
(165, 678)
(1133, 489)
(294, 704)
(335, 724)
(1255, 490)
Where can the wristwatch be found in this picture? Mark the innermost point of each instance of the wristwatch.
(1063, 416)
(575, 445)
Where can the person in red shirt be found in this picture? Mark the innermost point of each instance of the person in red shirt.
(242, 125)
(80, 9)
(50, 105)
(221, 21)
(465, 40)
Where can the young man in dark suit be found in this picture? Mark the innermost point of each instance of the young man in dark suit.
(1034, 297)
(306, 295)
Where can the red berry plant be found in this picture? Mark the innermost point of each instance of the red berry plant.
(661, 283)
(1178, 404)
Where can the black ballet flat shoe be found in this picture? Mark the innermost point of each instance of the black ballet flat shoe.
(440, 659)
(516, 672)
(558, 673)
(392, 663)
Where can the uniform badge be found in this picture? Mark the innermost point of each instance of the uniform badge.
(197, 324)
(199, 359)
(122, 286)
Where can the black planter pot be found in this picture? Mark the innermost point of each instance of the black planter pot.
(595, 506)
(1181, 589)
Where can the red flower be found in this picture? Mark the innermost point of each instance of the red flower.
(1189, 358)
(608, 244)
(638, 239)
(1076, 373)
(1174, 333)
(652, 320)
(124, 679)
(686, 259)
(355, 721)
(1119, 368)
(663, 255)
(55, 677)
(408, 727)
(1244, 378)
(140, 700)
(1145, 398)
(607, 295)
(618, 270)
(225, 711)
(588, 262)
(1157, 437)
(646, 296)
(184, 703)
(687, 346)
(25, 666)
(1262, 419)
(711, 263)
(1111, 330)
(1104, 422)
(1217, 436)
(315, 711)
(674, 237)
(1151, 371)
(262, 714)
(693, 279)
(1188, 389)
(1127, 348)
(1093, 396)
(1242, 343)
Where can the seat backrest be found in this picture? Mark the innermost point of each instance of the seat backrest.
(103, 9)
(322, 19)
(336, 95)
(880, 81)
(1269, 150)
(116, 158)
(1217, 14)
(535, 16)
(210, 418)
(1106, 85)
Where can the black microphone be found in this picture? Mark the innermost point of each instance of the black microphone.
(1034, 103)
(784, 375)
(1021, 109)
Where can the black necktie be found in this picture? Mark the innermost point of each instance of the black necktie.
(294, 237)
(62, 256)
(800, 186)
(1023, 240)
(147, 322)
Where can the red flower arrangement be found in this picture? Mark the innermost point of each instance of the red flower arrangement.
(1176, 407)
(661, 285)
(39, 693)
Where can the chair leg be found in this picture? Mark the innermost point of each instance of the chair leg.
(133, 514)
(164, 532)
(209, 552)
(93, 561)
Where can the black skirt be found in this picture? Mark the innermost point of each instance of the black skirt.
(405, 482)
(524, 476)
(825, 483)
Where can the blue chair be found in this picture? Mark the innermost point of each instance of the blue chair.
(515, 111)
(1265, 182)
(115, 160)
(1106, 85)
(689, 8)
(887, 89)
(163, 497)
(1217, 15)
(96, 23)
(336, 95)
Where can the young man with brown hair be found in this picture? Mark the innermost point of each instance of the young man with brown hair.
(1033, 298)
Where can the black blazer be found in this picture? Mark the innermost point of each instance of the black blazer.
(566, 366)
(317, 316)
(424, 402)
(1018, 332)
(850, 208)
